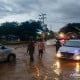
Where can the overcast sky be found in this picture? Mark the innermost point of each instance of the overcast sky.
(59, 12)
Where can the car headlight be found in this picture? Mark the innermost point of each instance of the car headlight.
(77, 57)
(58, 54)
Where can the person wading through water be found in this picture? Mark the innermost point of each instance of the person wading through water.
(30, 50)
(41, 48)
(58, 44)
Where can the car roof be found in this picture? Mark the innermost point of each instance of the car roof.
(74, 40)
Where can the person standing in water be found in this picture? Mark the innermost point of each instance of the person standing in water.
(30, 50)
(41, 48)
(58, 44)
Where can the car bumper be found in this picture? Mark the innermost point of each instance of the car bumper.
(72, 57)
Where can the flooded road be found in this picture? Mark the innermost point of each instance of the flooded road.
(49, 68)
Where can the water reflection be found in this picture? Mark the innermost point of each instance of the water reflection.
(46, 77)
(38, 72)
(77, 68)
(65, 69)
(38, 69)
(57, 67)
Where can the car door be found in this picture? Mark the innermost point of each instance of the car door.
(2, 53)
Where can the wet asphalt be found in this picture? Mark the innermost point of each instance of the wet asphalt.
(47, 68)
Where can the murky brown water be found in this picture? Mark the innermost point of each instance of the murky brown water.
(49, 68)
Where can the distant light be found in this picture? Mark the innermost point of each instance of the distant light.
(39, 32)
(61, 35)
(48, 33)
(77, 57)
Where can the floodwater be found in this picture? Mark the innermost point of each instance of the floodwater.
(48, 68)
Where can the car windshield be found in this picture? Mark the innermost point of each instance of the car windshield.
(72, 43)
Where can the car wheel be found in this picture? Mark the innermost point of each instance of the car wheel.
(11, 58)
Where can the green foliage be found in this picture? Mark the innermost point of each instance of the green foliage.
(71, 27)
(23, 30)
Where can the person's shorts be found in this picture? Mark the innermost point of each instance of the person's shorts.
(41, 51)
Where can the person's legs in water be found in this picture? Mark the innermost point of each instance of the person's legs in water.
(40, 53)
(57, 49)
(31, 57)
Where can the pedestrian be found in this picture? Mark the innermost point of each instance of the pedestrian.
(58, 44)
(41, 48)
(30, 50)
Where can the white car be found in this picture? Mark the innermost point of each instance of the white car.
(7, 54)
(51, 42)
(70, 50)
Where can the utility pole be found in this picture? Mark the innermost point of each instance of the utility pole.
(42, 18)
(50, 27)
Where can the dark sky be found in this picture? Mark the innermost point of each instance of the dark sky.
(59, 12)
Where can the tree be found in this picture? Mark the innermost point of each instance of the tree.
(71, 28)
(28, 29)
(23, 30)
